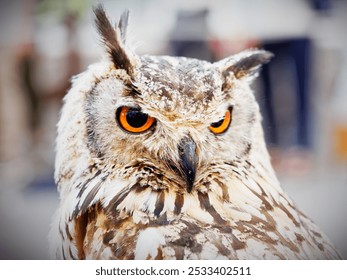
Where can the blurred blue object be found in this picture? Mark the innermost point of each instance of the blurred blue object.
(297, 51)
(322, 5)
(42, 183)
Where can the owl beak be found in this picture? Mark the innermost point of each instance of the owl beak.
(188, 161)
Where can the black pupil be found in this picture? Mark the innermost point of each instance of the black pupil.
(136, 118)
(217, 124)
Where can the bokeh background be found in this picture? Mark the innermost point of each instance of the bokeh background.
(302, 94)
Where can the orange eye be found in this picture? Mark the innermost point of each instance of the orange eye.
(133, 120)
(222, 125)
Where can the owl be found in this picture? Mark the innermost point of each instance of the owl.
(161, 157)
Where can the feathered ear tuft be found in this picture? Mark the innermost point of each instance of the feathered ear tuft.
(123, 25)
(245, 64)
(114, 38)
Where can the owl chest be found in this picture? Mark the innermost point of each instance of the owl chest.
(186, 227)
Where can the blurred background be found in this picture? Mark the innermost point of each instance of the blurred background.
(302, 94)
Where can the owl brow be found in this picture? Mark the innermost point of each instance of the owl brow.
(132, 90)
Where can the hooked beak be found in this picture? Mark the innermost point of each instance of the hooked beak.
(188, 161)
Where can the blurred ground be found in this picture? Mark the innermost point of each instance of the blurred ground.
(320, 194)
(24, 221)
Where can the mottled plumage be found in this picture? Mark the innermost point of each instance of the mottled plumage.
(185, 188)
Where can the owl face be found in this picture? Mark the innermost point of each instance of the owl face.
(176, 114)
(167, 101)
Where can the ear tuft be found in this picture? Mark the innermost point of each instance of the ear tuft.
(245, 64)
(248, 63)
(123, 25)
(114, 38)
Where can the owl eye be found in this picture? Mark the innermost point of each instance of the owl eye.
(222, 125)
(133, 120)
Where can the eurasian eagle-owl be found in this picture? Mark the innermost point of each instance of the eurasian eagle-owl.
(164, 157)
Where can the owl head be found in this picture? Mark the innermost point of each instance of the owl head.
(178, 116)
